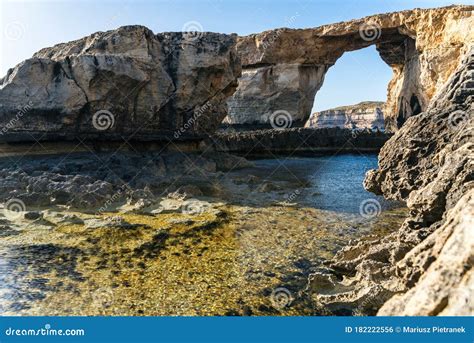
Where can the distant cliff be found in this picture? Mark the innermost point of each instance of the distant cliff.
(367, 114)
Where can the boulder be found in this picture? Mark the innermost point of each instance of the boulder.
(128, 81)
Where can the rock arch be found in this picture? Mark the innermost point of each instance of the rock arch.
(284, 68)
(165, 86)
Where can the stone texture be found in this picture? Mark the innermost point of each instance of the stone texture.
(426, 267)
(446, 286)
(300, 139)
(151, 84)
(422, 46)
(99, 181)
(365, 115)
(263, 90)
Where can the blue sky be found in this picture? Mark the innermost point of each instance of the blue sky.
(28, 26)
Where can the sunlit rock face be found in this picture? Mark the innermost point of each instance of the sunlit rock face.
(365, 115)
(283, 86)
(140, 83)
(425, 268)
(429, 164)
(422, 46)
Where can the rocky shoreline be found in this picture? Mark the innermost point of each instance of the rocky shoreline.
(299, 141)
(426, 268)
(168, 192)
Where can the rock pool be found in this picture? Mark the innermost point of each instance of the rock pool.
(248, 251)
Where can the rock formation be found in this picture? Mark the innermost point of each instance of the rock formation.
(172, 85)
(299, 139)
(284, 68)
(175, 85)
(426, 268)
(126, 81)
(365, 115)
(264, 90)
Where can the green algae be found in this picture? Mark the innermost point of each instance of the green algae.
(225, 261)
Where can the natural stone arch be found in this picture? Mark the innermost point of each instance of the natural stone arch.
(284, 68)
(163, 86)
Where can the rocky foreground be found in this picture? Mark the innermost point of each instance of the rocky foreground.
(426, 268)
(175, 233)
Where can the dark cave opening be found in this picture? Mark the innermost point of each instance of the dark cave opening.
(415, 105)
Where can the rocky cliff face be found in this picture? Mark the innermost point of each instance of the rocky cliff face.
(127, 81)
(263, 90)
(365, 115)
(426, 268)
(423, 47)
(175, 85)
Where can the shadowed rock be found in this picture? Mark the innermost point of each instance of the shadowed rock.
(426, 267)
(128, 81)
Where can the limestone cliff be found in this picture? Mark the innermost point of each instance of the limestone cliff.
(284, 68)
(126, 81)
(364, 115)
(175, 85)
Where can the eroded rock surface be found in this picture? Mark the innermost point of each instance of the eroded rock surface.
(422, 46)
(292, 140)
(133, 81)
(263, 90)
(104, 181)
(426, 267)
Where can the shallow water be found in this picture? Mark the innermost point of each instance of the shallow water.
(331, 183)
(249, 253)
